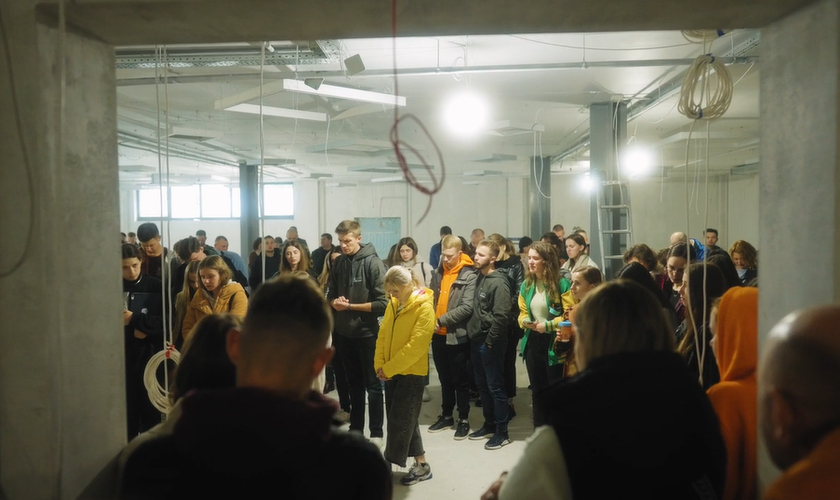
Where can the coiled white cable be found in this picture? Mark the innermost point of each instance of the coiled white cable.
(703, 36)
(159, 395)
(717, 98)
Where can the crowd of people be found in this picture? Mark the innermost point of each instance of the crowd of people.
(645, 380)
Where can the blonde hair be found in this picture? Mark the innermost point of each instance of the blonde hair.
(349, 227)
(451, 242)
(620, 316)
(401, 276)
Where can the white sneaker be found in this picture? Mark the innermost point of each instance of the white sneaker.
(378, 442)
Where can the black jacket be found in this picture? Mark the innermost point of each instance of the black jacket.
(358, 278)
(491, 308)
(144, 300)
(636, 425)
(251, 443)
(459, 308)
(512, 268)
(272, 267)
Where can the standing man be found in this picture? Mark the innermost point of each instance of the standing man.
(561, 235)
(132, 238)
(711, 235)
(559, 231)
(357, 295)
(272, 263)
(487, 329)
(320, 254)
(476, 236)
(434, 253)
(221, 245)
(155, 255)
(799, 404)
(453, 283)
(292, 235)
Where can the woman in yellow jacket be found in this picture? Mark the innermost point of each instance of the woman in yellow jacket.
(400, 360)
(216, 294)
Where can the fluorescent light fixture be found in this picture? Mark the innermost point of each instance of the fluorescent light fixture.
(318, 175)
(192, 134)
(494, 158)
(339, 184)
(471, 183)
(747, 169)
(344, 93)
(389, 167)
(254, 109)
(396, 178)
(482, 173)
(509, 128)
(219, 178)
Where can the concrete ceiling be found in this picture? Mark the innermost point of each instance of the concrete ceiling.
(545, 79)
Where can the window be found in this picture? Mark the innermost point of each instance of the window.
(211, 201)
(279, 200)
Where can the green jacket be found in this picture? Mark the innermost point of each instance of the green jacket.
(526, 294)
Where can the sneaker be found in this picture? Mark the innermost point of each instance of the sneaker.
(485, 432)
(462, 430)
(418, 472)
(498, 440)
(427, 396)
(478, 403)
(442, 424)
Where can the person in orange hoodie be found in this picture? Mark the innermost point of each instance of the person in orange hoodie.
(734, 398)
(453, 284)
(800, 404)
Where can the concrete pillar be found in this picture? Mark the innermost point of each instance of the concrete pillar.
(539, 195)
(799, 198)
(62, 394)
(249, 218)
(608, 135)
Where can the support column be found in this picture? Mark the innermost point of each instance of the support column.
(608, 134)
(799, 198)
(62, 391)
(249, 222)
(539, 192)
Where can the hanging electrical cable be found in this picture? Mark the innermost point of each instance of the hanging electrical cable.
(400, 145)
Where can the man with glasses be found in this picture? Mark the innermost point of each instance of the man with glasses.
(453, 283)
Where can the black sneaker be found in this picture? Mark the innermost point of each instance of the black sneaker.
(442, 423)
(498, 440)
(418, 472)
(478, 403)
(485, 432)
(462, 430)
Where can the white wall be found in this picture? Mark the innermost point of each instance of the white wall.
(743, 210)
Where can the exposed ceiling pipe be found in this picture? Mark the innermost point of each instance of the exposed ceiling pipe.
(151, 146)
(662, 93)
(387, 73)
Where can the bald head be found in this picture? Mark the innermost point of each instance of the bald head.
(678, 237)
(800, 374)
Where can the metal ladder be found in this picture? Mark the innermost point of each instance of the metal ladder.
(613, 201)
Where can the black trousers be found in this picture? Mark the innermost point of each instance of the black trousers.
(453, 371)
(403, 399)
(540, 374)
(141, 415)
(514, 334)
(357, 359)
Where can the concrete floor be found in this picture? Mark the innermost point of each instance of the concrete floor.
(464, 469)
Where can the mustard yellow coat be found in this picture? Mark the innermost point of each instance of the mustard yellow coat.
(231, 299)
(402, 347)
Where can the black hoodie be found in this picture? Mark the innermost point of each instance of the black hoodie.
(252, 443)
(358, 278)
(491, 307)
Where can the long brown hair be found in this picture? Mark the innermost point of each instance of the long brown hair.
(715, 287)
(551, 277)
(303, 265)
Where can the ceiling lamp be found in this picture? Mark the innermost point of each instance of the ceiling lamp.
(254, 109)
(465, 114)
(344, 93)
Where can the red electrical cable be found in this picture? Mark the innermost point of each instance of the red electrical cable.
(399, 144)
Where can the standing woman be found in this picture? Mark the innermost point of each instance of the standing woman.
(583, 281)
(540, 314)
(401, 361)
(295, 259)
(217, 293)
(745, 258)
(694, 331)
(143, 332)
(578, 259)
(679, 258)
(409, 258)
(183, 299)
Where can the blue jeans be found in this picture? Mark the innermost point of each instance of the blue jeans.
(488, 365)
(403, 399)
